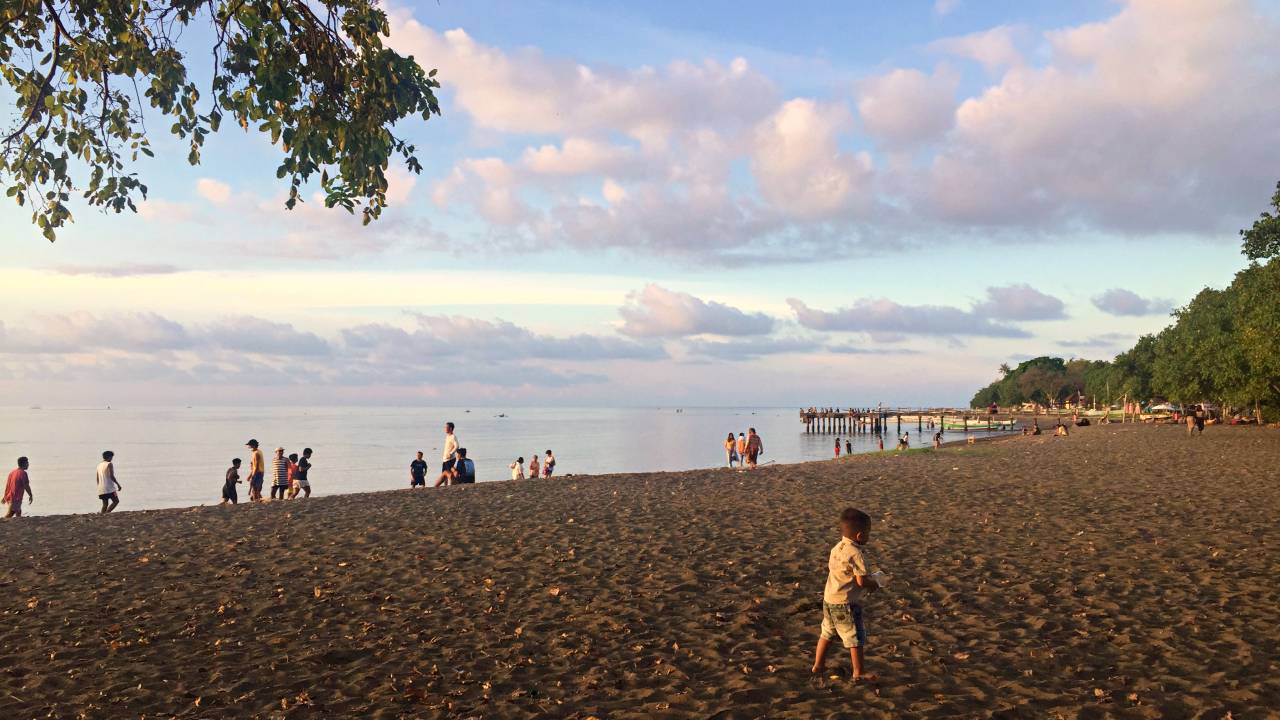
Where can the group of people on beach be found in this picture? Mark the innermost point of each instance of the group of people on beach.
(743, 451)
(458, 469)
(288, 475)
(18, 485)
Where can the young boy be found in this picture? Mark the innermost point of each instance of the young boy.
(302, 484)
(847, 584)
(229, 494)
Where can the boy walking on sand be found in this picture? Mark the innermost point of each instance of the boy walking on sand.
(848, 583)
(229, 494)
(108, 486)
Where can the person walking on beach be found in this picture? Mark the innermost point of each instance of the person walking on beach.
(533, 467)
(837, 448)
(937, 440)
(742, 450)
(449, 456)
(279, 475)
(1191, 423)
(548, 464)
(19, 482)
(108, 487)
(730, 450)
(229, 494)
(291, 478)
(848, 584)
(257, 471)
(418, 472)
(848, 447)
(1201, 414)
(517, 469)
(300, 482)
(755, 448)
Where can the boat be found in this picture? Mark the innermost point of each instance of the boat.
(979, 424)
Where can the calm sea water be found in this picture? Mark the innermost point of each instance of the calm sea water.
(176, 457)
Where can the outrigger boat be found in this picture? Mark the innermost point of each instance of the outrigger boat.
(979, 424)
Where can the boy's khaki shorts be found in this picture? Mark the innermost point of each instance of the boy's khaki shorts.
(845, 621)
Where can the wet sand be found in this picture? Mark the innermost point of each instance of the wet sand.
(1125, 571)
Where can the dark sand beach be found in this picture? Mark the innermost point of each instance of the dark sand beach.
(1125, 571)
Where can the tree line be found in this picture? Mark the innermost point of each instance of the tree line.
(1222, 347)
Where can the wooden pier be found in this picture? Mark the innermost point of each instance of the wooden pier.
(855, 421)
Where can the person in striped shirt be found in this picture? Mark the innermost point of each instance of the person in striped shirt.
(279, 475)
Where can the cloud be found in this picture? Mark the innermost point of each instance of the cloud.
(1160, 118)
(798, 164)
(906, 107)
(1020, 302)
(655, 311)
(1118, 301)
(117, 271)
(848, 349)
(525, 91)
(1104, 340)
(885, 320)
(943, 8)
(735, 350)
(255, 335)
(215, 191)
(994, 49)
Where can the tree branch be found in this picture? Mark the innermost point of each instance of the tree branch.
(47, 86)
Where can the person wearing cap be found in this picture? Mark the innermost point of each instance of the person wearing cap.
(257, 470)
(279, 475)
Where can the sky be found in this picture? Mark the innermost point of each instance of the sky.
(670, 203)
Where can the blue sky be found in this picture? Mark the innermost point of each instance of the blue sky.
(654, 203)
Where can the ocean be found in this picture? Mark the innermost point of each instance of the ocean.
(177, 457)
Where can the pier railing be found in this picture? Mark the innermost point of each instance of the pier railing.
(853, 421)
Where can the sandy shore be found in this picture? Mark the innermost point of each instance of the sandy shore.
(1125, 571)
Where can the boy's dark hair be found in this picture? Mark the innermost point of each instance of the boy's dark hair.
(855, 520)
(23, 460)
(235, 461)
(520, 459)
(293, 457)
(462, 452)
(306, 451)
(449, 425)
(548, 452)
(107, 455)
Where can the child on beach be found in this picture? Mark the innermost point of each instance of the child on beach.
(418, 472)
(548, 465)
(837, 447)
(229, 494)
(730, 450)
(848, 447)
(291, 477)
(742, 450)
(533, 466)
(848, 583)
(301, 484)
(517, 469)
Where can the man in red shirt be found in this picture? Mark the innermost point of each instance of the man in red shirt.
(18, 483)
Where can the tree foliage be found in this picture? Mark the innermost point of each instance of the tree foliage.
(314, 75)
(1263, 239)
(1222, 347)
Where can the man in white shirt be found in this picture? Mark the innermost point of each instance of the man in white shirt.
(449, 457)
(108, 486)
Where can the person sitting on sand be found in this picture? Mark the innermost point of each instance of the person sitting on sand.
(19, 482)
(742, 450)
(1061, 431)
(418, 472)
(108, 486)
(300, 482)
(464, 470)
(548, 464)
(533, 467)
(755, 448)
(937, 440)
(229, 494)
(279, 475)
(517, 469)
(1035, 427)
(903, 442)
(848, 584)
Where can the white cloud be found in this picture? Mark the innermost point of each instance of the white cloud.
(1118, 301)
(994, 49)
(798, 164)
(655, 311)
(943, 8)
(215, 191)
(906, 107)
(1020, 302)
(887, 321)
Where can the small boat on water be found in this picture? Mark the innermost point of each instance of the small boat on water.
(975, 424)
